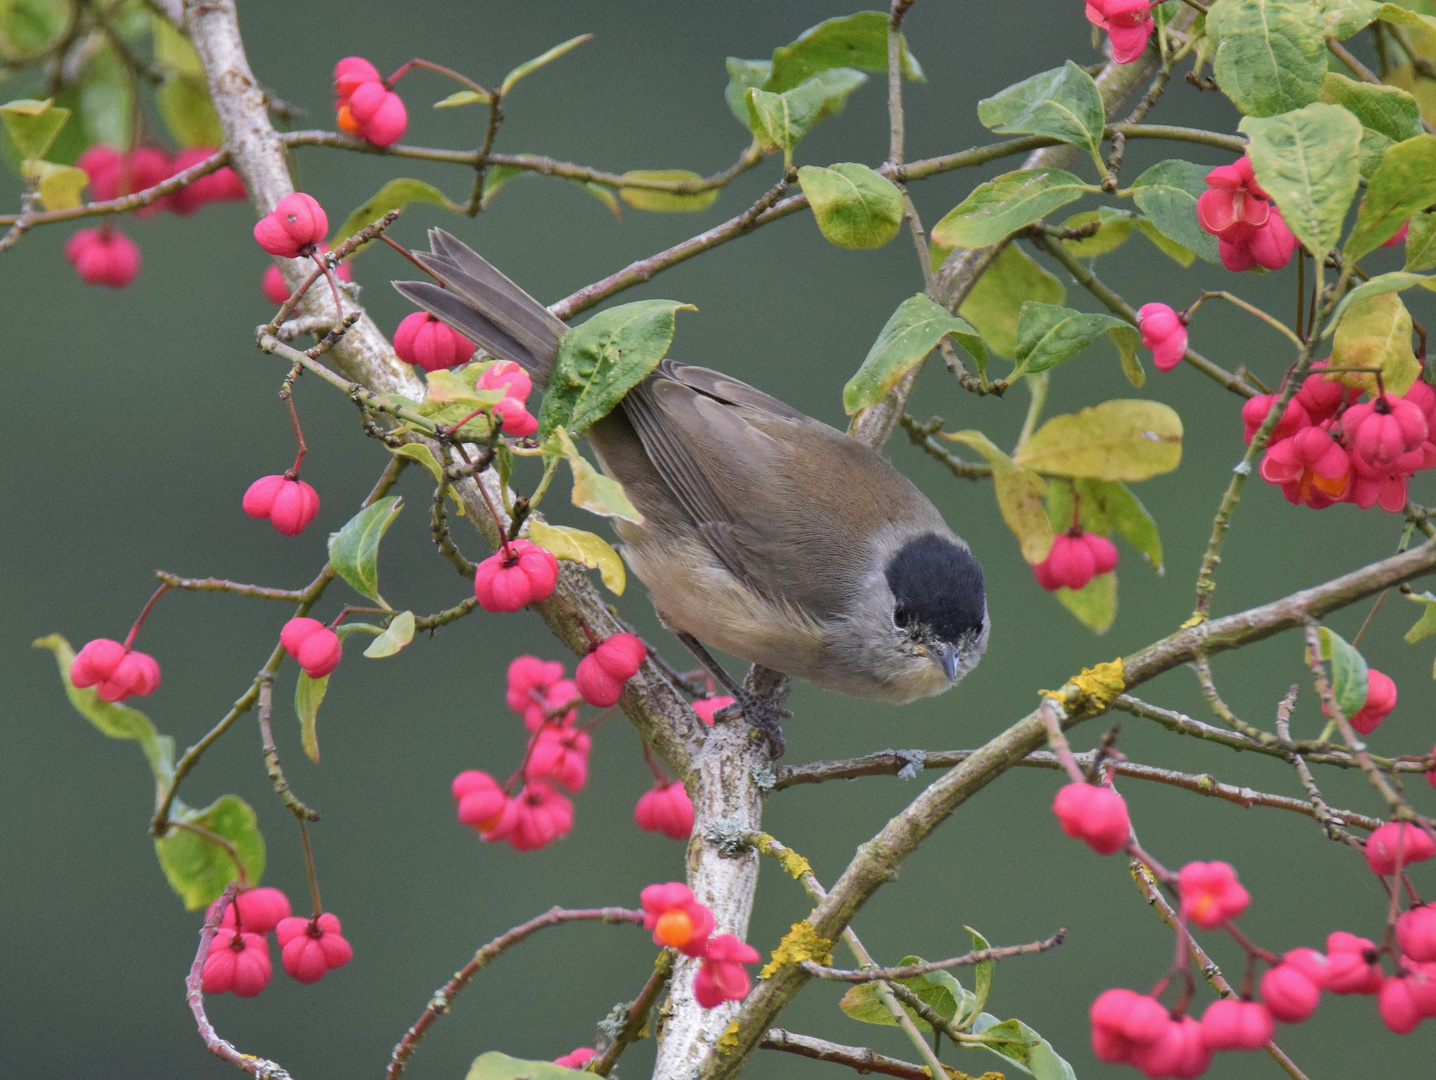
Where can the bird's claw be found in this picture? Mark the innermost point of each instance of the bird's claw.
(764, 716)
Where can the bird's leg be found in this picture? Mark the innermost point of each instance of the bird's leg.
(764, 714)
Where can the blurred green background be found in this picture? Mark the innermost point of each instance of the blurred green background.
(140, 416)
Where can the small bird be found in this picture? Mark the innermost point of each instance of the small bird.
(766, 533)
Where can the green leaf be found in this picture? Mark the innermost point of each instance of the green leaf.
(1396, 281)
(1402, 14)
(994, 303)
(592, 491)
(423, 455)
(1388, 110)
(496, 1066)
(1094, 604)
(1122, 440)
(1373, 148)
(107, 100)
(604, 195)
(666, 201)
(1048, 334)
(744, 75)
(1404, 184)
(1005, 204)
(1421, 242)
(1020, 493)
(1178, 253)
(1167, 193)
(187, 110)
(173, 51)
(852, 41)
(1270, 54)
(938, 990)
(581, 547)
(394, 639)
(198, 868)
(1346, 18)
(911, 332)
(1112, 232)
(463, 97)
(59, 185)
(1123, 513)
(354, 549)
(115, 720)
(497, 177)
(1426, 625)
(1022, 1047)
(537, 62)
(1063, 103)
(395, 195)
(1307, 161)
(33, 126)
(982, 973)
(779, 120)
(308, 696)
(1349, 685)
(602, 359)
(1375, 332)
(854, 206)
(28, 26)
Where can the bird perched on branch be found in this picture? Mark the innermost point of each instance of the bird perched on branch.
(766, 533)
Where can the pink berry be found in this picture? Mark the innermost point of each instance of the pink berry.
(1123, 1020)
(260, 910)
(375, 113)
(220, 185)
(1164, 332)
(312, 947)
(1397, 842)
(722, 977)
(676, 918)
(527, 674)
(576, 1059)
(238, 962)
(666, 809)
(103, 256)
(1177, 1052)
(289, 504)
(315, 647)
(1096, 815)
(1211, 894)
(542, 815)
(560, 753)
(481, 799)
(515, 419)
(350, 73)
(1293, 418)
(1397, 1005)
(557, 696)
(1076, 558)
(1352, 965)
(276, 291)
(426, 342)
(114, 175)
(510, 377)
(1380, 700)
(293, 228)
(1233, 1024)
(602, 673)
(518, 574)
(1289, 994)
(114, 671)
(707, 707)
(1416, 933)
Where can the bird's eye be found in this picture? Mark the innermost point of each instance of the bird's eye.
(900, 616)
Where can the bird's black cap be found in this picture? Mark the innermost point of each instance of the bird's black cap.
(938, 584)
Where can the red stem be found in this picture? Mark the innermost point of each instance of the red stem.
(293, 472)
(134, 630)
(309, 868)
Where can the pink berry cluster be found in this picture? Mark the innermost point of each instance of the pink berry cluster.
(1329, 448)
(1164, 331)
(1076, 557)
(296, 226)
(115, 670)
(365, 105)
(287, 503)
(426, 342)
(238, 957)
(106, 256)
(1127, 22)
(518, 574)
(314, 646)
(1248, 226)
(680, 922)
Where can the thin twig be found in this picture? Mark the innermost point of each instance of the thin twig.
(637, 1018)
(910, 971)
(271, 755)
(262, 592)
(1334, 824)
(861, 1058)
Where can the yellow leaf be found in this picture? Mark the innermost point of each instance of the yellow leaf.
(59, 185)
(1123, 440)
(1376, 332)
(658, 201)
(1020, 496)
(584, 548)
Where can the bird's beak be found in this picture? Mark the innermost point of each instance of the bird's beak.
(945, 655)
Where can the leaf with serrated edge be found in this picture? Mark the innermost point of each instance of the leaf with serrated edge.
(1167, 193)
(1047, 335)
(854, 206)
(1270, 54)
(354, 549)
(602, 359)
(308, 696)
(1020, 494)
(1063, 103)
(1005, 204)
(1123, 440)
(581, 547)
(1375, 332)
(1307, 161)
(394, 639)
(1404, 184)
(1349, 677)
(395, 195)
(994, 303)
(911, 332)
(198, 868)
(666, 202)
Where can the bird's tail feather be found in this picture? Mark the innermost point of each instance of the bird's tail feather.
(484, 305)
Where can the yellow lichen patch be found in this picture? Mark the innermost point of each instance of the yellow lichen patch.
(1100, 685)
(800, 943)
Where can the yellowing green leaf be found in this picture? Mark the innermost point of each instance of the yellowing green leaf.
(1094, 604)
(592, 491)
(33, 126)
(666, 201)
(1403, 184)
(1167, 193)
(187, 110)
(911, 332)
(423, 455)
(1003, 205)
(398, 635)
(1020, 493)
(1349, 674)
(1112, 233)
(849, 41)
(1122, 440)
(59, 185)
(530, 66)
(994, 302)
(395, 195)
(1270, 54)
(308, 696)
(198, 868)
(1426, 625)
(496, 1066)
(463, 97)
(584, 548)
(1421, 242)
(854, 206)
(1063, 103)
(1047, 335)
(1375, 332)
